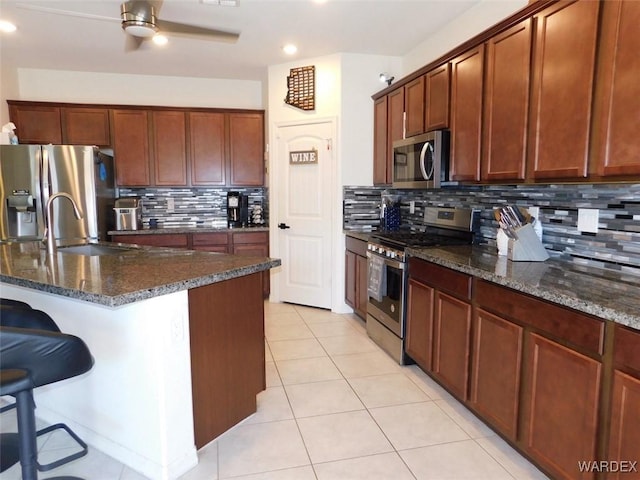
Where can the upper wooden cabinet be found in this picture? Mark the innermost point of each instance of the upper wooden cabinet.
(169, 147)
(131, 147)
(617, 100)
(207, 148)
(36, 124)
(506, 106)
(561, 97)
(246, 149)
(381, 161)
(467, 71)
(414, 107)
(437, 93)
(86, 126)
(395, 126)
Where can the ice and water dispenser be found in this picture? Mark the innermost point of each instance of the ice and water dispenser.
(22, 215)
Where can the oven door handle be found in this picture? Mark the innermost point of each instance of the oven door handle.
(388, 261)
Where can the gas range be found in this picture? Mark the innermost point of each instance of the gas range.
(388, 272)
(393, 244)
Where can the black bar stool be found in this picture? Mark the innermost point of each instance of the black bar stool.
(32, 357)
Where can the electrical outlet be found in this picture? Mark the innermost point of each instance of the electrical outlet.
(588, 220)
(171, 205)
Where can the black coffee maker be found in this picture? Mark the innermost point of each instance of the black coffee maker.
(237, 210)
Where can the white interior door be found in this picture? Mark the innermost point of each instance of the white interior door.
(304, 159)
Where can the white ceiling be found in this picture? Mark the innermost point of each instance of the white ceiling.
(65, 42)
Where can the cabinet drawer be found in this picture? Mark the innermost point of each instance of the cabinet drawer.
(359, 247)
(250, 237)
(445, 279)
(627, 348)
(563, 323)
(210, 239)
(162, 240)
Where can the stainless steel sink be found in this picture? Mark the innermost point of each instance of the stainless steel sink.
(98, 250)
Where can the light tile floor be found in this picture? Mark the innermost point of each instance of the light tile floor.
(336, 408)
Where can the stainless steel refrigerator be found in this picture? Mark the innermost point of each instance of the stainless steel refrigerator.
(30, 174)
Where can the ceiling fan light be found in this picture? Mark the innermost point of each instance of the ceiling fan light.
(140, 29)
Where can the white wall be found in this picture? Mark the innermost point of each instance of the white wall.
(344, 85)
(474, 21)
(113, 88)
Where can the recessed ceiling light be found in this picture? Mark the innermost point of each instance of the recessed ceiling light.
(290, 49)
(160, 39)
(7, 27)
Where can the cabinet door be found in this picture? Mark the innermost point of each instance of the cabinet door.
(452, 337)
(617, 100)
(86, 126)
(362, 284)
(207, 148)
(507, 104)
(36, 123)
(419, 335)
(561, 407)
(246, 149)
(210, 242)
(381, 161)
(169, 148)
(395, 126)
(155, 240)
(624, 440)
(350, 278)
(253, 244)
(437, 85)
(466, 114)
(562, 89)
(131, 147)
(495, 371)
(414, 107)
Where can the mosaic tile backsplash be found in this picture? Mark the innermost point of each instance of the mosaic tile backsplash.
(193, 207)
(615, 246)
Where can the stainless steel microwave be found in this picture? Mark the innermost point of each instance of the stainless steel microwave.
(421, 161)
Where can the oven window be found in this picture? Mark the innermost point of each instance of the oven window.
(392, 294)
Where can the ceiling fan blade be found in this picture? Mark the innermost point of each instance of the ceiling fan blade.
(132, 43)
(173, 28)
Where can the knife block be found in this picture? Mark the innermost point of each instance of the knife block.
(527, 247)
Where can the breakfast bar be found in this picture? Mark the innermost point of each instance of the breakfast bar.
(177, 337)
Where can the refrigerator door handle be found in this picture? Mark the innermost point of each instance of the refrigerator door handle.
(45, 188)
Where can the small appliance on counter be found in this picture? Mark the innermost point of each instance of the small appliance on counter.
(128, 213)
(237, 210)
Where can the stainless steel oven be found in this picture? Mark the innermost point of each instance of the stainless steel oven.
(388, 271)
(385, 308)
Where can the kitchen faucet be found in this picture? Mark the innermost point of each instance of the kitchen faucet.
(48, 232)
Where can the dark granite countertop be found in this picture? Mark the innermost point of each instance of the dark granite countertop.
(610, 295)
(364, 236)
(170, 230)
(118, 279)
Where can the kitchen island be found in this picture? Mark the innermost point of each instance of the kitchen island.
(177, 337)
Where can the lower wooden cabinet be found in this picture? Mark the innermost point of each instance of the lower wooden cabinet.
(356, 276)
(495, 372)
(548, 378)
(419, 328)
(561, 404)
(254, 244)
(451, 339)
(173, 240)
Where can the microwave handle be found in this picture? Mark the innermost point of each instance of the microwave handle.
(423, 153)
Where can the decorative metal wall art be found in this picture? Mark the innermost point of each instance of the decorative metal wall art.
(301, 85)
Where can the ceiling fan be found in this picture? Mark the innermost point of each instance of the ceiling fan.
(139, 19)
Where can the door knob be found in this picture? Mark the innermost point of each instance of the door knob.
(283, 226)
